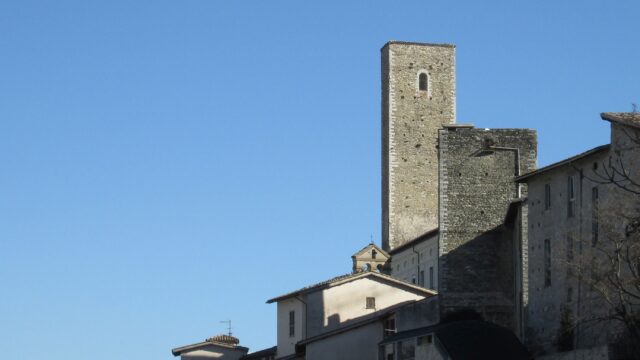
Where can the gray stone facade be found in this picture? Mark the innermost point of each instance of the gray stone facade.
(436, 174)
(411, 118)
(477, 168)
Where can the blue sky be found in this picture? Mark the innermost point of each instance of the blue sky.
(170, 164)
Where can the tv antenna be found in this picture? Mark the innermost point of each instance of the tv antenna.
(228, 322)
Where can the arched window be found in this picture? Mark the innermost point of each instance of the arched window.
(423, 82)
(374, 254)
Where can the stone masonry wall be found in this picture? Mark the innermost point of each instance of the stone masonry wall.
(410, 122)
(476, 188)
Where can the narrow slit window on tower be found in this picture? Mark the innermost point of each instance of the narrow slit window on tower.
(594, 216)
(571, 197)
(547, 262)
(423, 83)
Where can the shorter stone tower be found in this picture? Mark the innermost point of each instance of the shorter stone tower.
(476, 258)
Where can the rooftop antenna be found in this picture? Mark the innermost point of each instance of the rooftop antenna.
(228, 322)
(371, 235)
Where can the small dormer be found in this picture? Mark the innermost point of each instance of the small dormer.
(370, 258)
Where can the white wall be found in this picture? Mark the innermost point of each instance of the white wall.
(407, 264)
(286, 343)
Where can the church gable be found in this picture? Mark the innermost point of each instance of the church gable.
(369, 258)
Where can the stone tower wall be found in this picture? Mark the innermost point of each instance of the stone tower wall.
(476, 260)
(410, 122)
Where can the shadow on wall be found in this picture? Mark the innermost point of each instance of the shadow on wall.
(480, 276)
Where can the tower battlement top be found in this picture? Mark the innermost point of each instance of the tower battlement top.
(390, 42)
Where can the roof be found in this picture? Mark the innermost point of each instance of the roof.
(339, 280)
(415, 241)
(358, 322)
(595, 150)
(379, 249)
(261, 353)
(416, 43)
(470, 339)
(629, 118)
(179, 350)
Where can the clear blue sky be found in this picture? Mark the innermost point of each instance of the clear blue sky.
(170, 164)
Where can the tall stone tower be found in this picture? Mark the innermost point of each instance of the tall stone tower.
(418, 97)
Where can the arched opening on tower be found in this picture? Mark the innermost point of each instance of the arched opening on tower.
(423, 82)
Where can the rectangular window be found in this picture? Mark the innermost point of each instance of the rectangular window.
(422, 278)
(547, 196)
(431, 277)
(292, 323)
(547, 262)
(371, 303)
(594, 216)
(569, 294)
(389, 327)
(571, 197)
(569, 248)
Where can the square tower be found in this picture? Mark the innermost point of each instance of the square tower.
(418, 98)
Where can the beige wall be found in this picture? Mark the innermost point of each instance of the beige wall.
(332, 307)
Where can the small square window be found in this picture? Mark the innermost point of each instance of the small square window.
(371, 303)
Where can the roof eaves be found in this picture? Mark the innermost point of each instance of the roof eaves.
(523, 178)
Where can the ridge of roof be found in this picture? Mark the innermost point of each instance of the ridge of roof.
(569, 160)
(339, 280)
(414, 241)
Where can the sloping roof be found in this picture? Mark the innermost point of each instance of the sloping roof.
(415, 241)
(261, 353)
(595, 150)
(358, 322)
(629, 118)
(339, 280)
(471, 339)
(179, 350)
(378, 249)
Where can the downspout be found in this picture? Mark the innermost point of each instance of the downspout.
(517, 163)
(580, 225)
(306, 323)
(413, 248)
